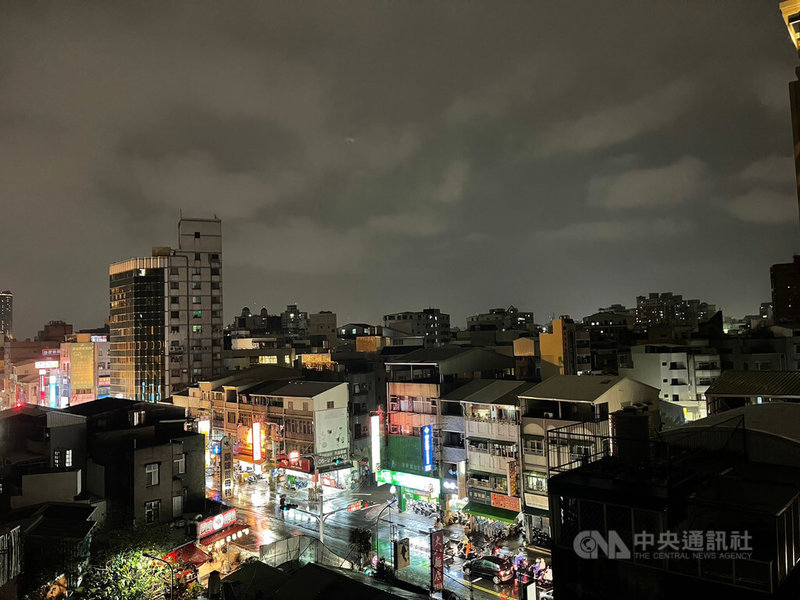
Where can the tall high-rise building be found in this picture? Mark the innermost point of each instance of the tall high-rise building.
(6, 314)
(166, 315)
(790, 10)
(785, 282)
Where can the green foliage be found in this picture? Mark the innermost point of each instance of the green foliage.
(120, 570)
(362, 540)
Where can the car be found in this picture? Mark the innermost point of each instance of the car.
(495, 568)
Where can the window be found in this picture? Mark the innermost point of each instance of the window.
(174, 329)
(215, 285)
(330, 404)
(215, 257)
(177, 506)
(196, 271)
(152, 511)
(174, 285)
(536, 482)
(535, 446)
(197, 285)
(268, 360)
(179, 465)
(197, 256)
(151, 474)
(197, 235)
(174, 314)
(173, 271)
(197, 314)
(214, 299)
(173, 300)
(195, 299)
(62, 458)
(215, 270)
(197, 358)
(216, 314)
(232, 418)
(197, 329)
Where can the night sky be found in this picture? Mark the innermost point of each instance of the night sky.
(374, 156)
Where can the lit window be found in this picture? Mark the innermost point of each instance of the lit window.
(197, 328)
(197, 314)
(151, 474)
(268, 360)
(195, 299)
(177, 506)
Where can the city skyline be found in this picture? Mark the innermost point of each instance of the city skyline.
(358, 172)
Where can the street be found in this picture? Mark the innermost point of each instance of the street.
(258, 506)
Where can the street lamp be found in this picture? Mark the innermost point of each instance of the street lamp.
(378, 524)
(171, 572)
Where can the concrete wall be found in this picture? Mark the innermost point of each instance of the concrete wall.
(58, 486)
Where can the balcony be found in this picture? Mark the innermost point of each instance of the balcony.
(453, 454)
(480, 461)
(492, 430)
(535, 460)
(452, 423)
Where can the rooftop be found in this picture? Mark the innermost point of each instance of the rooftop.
(578, 388)
(489, 391)
(305, 389)
(773, 418)
(785, 384)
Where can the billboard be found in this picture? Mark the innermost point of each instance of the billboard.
(82, 366)
(216, 522)
(427, 448)
(437, 561)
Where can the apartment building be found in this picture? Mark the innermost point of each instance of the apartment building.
(574, 409)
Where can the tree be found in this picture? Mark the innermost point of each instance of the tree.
(119, 569)
(361, 539)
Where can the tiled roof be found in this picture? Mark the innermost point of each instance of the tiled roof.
(756, 383)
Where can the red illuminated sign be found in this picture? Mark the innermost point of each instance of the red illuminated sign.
(216, 522)
(507, 502)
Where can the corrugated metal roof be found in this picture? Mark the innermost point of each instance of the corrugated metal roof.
(774, 418)
(489, 391)
(305, 389)
(579, 388)
(756, 383)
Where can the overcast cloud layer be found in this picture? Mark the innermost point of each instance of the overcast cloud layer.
(368, 157)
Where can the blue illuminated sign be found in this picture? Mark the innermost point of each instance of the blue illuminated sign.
(427, 448)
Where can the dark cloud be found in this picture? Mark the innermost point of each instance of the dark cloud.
(368, 157)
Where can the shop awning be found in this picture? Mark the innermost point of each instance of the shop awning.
(490, 512)
(537, 512)
(233, 530)
(188, 554)
(249, 459)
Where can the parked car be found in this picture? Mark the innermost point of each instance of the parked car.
(493, 567)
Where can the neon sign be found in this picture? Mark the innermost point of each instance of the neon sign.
(427, 448)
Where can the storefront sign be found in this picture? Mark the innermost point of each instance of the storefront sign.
(512, 478)
(427, 448)
(536, 501)
(46, 364)
(437, 561)
(256, 441)
(375, 437)
(416, 482)
(216, 523)
(481, 496)
(507, 502)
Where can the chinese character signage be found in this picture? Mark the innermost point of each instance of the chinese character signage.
(256, 441)
(216, 522)
(507, 502)
(512, 478)
(437, 561)
(427, 448)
